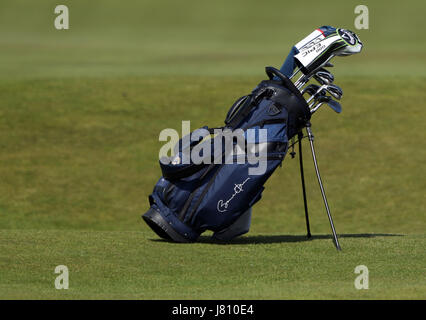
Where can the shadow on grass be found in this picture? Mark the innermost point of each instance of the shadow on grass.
(291, 238)
(264, 239)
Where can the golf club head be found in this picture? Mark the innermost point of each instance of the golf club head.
(324, 77)
(335, 91)
(322, 44)
(337, 107)
(352, 43)
(310, 89)
(325, 71)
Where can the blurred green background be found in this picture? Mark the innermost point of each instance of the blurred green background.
(81, 111)
(199, 37)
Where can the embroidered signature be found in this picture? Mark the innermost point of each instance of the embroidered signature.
(223, 206)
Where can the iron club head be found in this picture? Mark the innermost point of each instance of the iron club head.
(324, 77)
(335, 91)
(310, 89)
(336, 106)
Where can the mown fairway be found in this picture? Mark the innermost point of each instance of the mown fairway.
(80, 115)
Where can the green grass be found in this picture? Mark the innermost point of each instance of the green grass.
(134, 265)
(80, 115)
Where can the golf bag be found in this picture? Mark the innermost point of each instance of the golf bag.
(193, 197)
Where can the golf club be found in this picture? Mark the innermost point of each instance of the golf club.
(316, 97)
(299, 83)
(324, 77)
(336, 106)
(335, 91)
(345, 43)
(310, 89)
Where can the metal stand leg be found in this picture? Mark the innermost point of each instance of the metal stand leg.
(300, 136)
(311, 141)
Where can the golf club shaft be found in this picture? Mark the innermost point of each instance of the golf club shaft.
(299, 82)
(295, 72)
(316, 107)
(305, 78)
(314, 95)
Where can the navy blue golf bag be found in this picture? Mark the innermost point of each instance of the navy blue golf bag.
(193, 197)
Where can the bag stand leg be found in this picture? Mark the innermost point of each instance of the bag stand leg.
(302, 176)
(311, 141)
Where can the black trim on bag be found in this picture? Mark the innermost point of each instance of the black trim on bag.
(250, 102)
(242, 112)
(234, 108)
(184, 172)
(296, 106)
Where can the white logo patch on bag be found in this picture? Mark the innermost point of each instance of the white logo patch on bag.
(222, 206)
